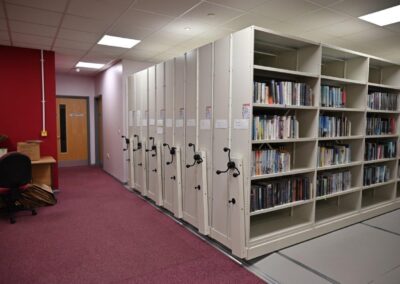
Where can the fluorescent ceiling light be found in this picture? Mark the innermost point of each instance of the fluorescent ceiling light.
(82, 64)
(384, 17)
(118, 41)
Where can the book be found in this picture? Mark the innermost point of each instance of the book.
(334, 126)
(270, 161)
(275, 127)
(330, 154)
(377, 125)
(382, 101)
(332, 182)
(376, 174)
(333, 96)
(380, 150)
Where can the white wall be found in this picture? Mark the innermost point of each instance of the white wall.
(80, 86)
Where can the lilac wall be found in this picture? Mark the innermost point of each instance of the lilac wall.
(81, 86)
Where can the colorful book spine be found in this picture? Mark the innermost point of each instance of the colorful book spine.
(282, 93)
(334, 126)
(332, 182)
(274, 193)
(275, 127)
(380, 150)
(331, 154)
(380, 125)
(382, 101)
(333, 97)
(270, 161)
(376, 174)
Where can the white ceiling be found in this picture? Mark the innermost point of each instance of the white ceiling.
(71, 28)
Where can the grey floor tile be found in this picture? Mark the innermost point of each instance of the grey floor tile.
(391, 277)
(389, 222)
(285, 271)
(356, 254)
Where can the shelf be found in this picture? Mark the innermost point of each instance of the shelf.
(375, 197)
(383, 111)
(338, 109)
(342, 80)
(347, 191)
(282, 174)
(365, 187)
(381, 136)
(291, 140)
(341, 138)
(280, 207)
(276, 106)
(285, 71)
(379, 161)
(384, 86)
(352, 164)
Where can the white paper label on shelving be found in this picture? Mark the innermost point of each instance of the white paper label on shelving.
(179, 123)
(130, 118)
(191, 122)
(160, 122)
(221, 123)
(160, 130)
(144, 122)
(168, 122)
(205, 124)
(152, 121)
(246, 111)
(240, 123)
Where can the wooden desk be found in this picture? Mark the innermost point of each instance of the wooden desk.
(42, 171)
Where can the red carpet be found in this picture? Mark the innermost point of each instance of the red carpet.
(100, 233)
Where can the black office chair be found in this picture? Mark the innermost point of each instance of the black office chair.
(15, 174)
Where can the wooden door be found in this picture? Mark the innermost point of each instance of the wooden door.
(72, 131)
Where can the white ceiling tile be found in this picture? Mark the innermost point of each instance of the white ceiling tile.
(221, 15)
(108, 50)
(97, 59)
(169, 8)
(130, 31)
(139, 54)
(142, 19)
(393, 27)
(31, 45)
(4, 35)
(35, 40)
(84, 24)
(253, 19)
(370, 36)
(358, 8)
(240, 4)
(69, 51)
(346, 27)
(33, 29)
(105, 9)
(282, 10)
(325, 3)
(316, 19)
(152, 46)
(32, 15)
(72, 44)
(3, 24)
(52, 5)
(167, 38)
(79, 36)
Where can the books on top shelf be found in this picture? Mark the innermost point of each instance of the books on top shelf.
(382, 101)
(376, 174)
(275, 127)
(380, 150)
(331, 154)
(270, 161)
(333, 97)
(334, 126)
(380, 125)
(273, 193)
(332, 182)
(282, 93)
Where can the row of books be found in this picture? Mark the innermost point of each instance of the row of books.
(333, 96)
(282, 93)
(275, 127)
(382, 101)
(333, 154)
(332, 182)
(334, 126)
(380, 126)
(270, 161)
(376, 174)
(274, 193)
(380, 150)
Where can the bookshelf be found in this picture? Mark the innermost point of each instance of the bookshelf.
(296, 117)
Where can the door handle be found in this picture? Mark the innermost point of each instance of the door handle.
(197, 187)
(233, 201)
(155, 170)
(173, 177)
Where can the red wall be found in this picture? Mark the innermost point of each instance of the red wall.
(20, 99)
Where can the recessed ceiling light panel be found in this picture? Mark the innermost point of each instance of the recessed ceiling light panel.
(384, 17)
(118, 41)
(90, 65)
